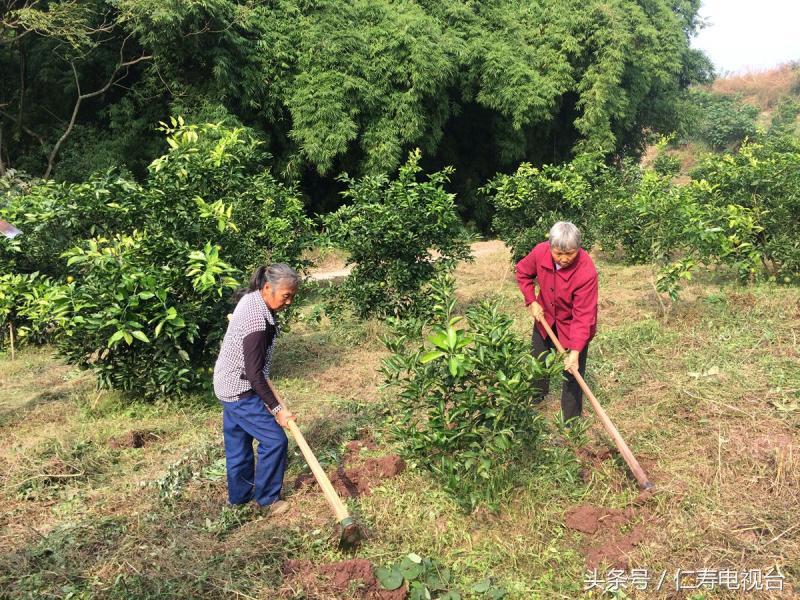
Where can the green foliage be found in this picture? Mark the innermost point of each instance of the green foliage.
(150, 267)
(426, 578)
(399, 235)
(463, 409)
(665, 164)
(757, 191)
(739, 212)
(784, 118)
(336, 85)
(201, 463)
(718, 120)
(529, 201)
(25, 303)
(55, 216)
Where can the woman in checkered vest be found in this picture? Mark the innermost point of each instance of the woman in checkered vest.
(250, 410)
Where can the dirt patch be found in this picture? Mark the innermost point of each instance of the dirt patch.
(616, 551)
(353, 448)
(132, 439)
(357, 476)
(360, 479)
(741, 300)
(589, 519)
(606, 541)
(766, 446)
(353, 578)
(593, 456)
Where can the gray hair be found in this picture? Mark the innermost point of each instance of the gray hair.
(565, 236)
(275, 275)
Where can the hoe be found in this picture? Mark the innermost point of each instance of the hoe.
(350, 533)
(645, 484)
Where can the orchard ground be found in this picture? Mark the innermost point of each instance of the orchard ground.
(106, 498)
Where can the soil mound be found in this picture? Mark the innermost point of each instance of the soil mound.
(356, 477)
(359, 480)
(606, 542)
(352, 578)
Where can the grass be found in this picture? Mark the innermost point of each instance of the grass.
(761, 88)
(708, 397)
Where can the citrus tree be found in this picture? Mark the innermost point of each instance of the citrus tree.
(399, 235)
(463, 408)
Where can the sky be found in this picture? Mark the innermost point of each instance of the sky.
(750, 35)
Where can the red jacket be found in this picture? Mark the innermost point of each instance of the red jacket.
(568, 296)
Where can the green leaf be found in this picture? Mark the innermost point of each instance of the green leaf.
(409, 569)
(390, 579)
(115, 338)
(482, 586)
(128, 337)
(139, 335)
(439, 339)
(415, 558)
(452, 338)
(453, 366)
(419, 592)
(430, 356)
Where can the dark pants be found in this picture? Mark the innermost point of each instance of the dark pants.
(571, 393)
(242, 422)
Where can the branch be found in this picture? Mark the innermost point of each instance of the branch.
(123, 64)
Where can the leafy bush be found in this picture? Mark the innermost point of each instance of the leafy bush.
(400, 235)
(739, 211)
(757, 191)
(25, 303)
(529, 201)
(463, 410)
(784, 119)
(647, 222)
(666, 164)
(55, 216)
(154, 264)
(718, 120)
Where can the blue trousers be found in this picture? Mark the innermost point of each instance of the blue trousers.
(242, 422)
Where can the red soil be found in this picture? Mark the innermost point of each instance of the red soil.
(606, 543)
(345, 579)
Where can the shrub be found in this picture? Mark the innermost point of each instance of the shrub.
(529, 201)
(55, 216)
(739, 211)
(666, 164)
(720, 121)
(25, 304)
(400, 235)
(154, 264)
(757, 191)
(463, 410)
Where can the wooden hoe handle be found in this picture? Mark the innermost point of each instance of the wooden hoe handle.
(319, 474)
(630, 459)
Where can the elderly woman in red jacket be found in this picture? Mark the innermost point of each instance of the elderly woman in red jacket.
(567, 298)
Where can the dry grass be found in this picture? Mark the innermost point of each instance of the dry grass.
(708, 397)
(761, 88)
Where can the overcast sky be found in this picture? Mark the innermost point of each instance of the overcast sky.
(750, 34)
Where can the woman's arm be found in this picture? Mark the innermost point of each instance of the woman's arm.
(584, 313)
(525, 273)
(254, 347)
